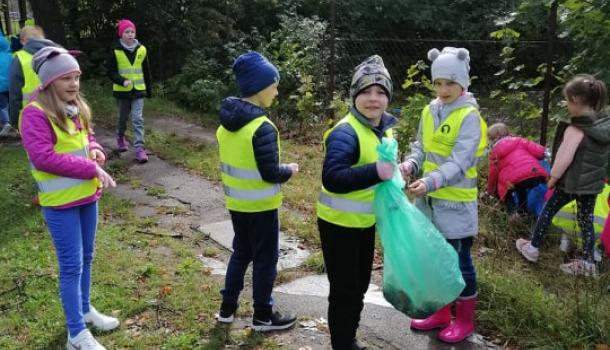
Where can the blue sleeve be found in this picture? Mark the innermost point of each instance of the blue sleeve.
(342, 151)
(267, 155)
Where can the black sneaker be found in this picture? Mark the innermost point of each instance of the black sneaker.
(276, 323)
(226, 313)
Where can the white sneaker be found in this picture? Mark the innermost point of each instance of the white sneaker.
(100, 321)
(580, 267)
(6, 130)
(526, 249)
(84, 341)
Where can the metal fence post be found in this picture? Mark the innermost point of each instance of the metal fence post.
(330, 113)
(549, 73)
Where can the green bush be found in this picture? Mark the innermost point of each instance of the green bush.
(297, 49)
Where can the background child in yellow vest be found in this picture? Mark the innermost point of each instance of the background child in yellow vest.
(580, 160)
(21, 75)
(66, 164)
(249, 148)
(345, 212)
(447, 192)
(130, 74)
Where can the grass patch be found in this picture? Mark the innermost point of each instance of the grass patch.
(163, 302)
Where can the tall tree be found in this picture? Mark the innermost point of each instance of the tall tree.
(48, 16)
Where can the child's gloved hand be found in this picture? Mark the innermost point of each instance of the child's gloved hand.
(294, 167)
(385, 170)
(105, 179)
(406, 168)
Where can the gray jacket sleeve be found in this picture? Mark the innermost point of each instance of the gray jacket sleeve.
(416, 157)
(16, 82)
(462, 157)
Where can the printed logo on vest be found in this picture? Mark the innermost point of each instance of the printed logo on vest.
(445, 129)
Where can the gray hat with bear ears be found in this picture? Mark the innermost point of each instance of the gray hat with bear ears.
(451, 64)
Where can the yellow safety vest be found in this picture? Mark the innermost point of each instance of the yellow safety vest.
(55, 190)
(245, 190)
(438, 146)
(353, 209)
(130, 71)
(566, 218)
(30, 78)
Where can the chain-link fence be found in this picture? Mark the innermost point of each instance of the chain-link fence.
(400, 54)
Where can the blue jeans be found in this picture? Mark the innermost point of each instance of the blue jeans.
(134, 108)
(4, 108)
(73, 234)
(462, 247)
(256, 240)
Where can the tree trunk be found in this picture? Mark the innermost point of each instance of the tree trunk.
(48, 17)
(23, 12)
(7, 18)
(544, 120)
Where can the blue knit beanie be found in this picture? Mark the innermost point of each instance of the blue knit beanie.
(254, 73)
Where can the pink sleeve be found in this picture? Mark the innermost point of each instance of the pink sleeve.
(535, 149)
(38, 140)
(565, 154)
(93, 143)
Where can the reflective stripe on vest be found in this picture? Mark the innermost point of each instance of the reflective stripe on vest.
(130, 71)
(438, 145)
(566, 217)
(30, 78)
(353, 209)
(244, 188)
(57, 190)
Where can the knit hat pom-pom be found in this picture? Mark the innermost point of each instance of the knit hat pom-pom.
(433, 54)
(462, 53)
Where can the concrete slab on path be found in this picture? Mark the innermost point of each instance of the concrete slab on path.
(291, 253)
(317, 285)
(204, 198)
(380, 327)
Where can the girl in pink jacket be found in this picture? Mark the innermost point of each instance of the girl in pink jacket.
(514, 167)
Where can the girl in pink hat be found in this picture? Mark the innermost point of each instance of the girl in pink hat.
(130, 74)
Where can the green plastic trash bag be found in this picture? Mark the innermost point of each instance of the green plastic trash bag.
(421, 271)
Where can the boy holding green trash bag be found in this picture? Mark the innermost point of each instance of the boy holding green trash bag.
(345, 206)
(452, 136)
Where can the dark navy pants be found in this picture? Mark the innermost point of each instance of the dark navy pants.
(256, 240)
(462, 246)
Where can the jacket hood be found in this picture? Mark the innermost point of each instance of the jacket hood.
(443, 110)
(599, 130)
(33, 45)
(235, 113)
(4, 45)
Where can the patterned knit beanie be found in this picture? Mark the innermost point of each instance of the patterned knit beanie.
(371, 71)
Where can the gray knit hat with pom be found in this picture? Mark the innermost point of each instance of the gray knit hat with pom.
(370, 72)
(451, 64)
(51, 63)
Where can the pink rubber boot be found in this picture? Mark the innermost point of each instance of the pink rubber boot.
(463, 326)
(439, 319)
